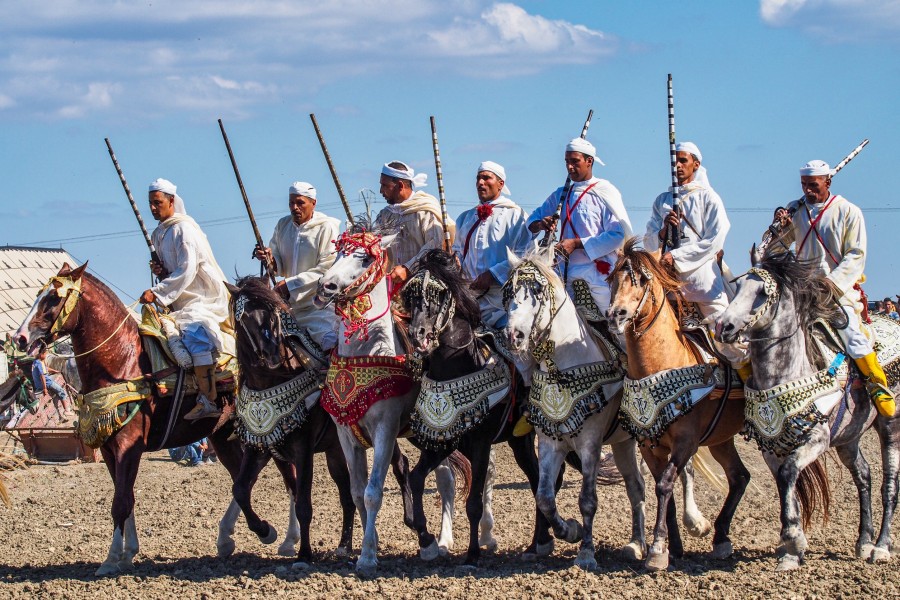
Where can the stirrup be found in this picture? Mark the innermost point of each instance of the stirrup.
(882, 398)
(203, 409)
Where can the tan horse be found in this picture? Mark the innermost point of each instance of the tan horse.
(672, 414)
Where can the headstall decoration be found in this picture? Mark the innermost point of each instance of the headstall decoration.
(425, 291)
(67, 288)
(354, 302)
(528, 275)
(770, 288)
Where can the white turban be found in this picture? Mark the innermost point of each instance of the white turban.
(418, 181)
(497, 170)
(690, 148)
(585, 147)
(167, 187)
(816, 167)
(301, 188)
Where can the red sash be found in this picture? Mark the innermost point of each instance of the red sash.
(813, 227)
(567, 220)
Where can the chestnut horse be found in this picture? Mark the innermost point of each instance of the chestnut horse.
(109, 351)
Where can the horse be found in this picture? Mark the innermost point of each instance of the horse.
(279, 415)
(776, 309)
(668, 402)
(110, 356)
(443, 321)
(369, 390)
(573, 401)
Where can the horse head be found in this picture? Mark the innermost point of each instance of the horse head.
(753, 308)
(360, 264)
(256, 309)
(435, 296)
(638, 285)
(51, 315)
(532, 287)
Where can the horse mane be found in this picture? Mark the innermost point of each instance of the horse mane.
(444, 266)
(643, 259)
(815, 296)
(386, 225)
(538, 257)
(257, 288)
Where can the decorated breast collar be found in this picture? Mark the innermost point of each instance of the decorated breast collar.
(354, 302)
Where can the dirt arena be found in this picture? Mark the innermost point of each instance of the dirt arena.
(59, 531)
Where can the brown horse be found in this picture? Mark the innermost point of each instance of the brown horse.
(109, 351)
(677, 425)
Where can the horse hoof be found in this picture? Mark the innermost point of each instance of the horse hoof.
(657, 561)
(722, 551)
(342, 551)
(586, 561)
(489, 545)
(286, 549)
(225, 549)
(880, 555)
(634, 551)
(366, 569)
(430, 552)
(300, 566)
(575, 532)
(542, 550)
(443, 550)
(699, 529)
(270, 537)
(467, 567)
(788, 562)
(864, 551)
(108, 570)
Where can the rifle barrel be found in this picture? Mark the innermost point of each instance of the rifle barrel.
(673, 237)
(334, 175)
(445, 218)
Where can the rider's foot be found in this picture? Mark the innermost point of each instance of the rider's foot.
(523, 427)
(203, 409)
(882, 398)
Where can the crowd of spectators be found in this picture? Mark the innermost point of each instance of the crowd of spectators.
(887, 307)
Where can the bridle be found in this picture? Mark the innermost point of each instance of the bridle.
(647, 293)
(240, 310)
(426, 291)
(770, 289)
(353, 302)
(528, 275)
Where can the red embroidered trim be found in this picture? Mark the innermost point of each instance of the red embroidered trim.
(355, 384)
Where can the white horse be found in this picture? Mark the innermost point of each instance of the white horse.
(356, 282)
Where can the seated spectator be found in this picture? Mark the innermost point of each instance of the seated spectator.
(879, 308)
(192, 454)
(890, 310)
(44, 384)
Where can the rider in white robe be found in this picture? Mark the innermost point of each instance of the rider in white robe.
(193, 289)
(482, 242)
(593, 223)
(703, 227)
(831, 232)
(302, 252)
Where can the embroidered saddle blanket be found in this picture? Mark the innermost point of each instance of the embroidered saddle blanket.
(354, 384)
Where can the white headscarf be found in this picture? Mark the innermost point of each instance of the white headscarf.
(418, 181)
(167, 187)
(700, 177)
(301, 188)
(585, 147)
(497, 170)
(816, 167)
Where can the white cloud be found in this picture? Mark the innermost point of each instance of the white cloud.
(836, 20)
(231, 57)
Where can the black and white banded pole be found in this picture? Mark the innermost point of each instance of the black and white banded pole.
(154, 255)
(673, 234)
(850, 156)
(259, 241)
(334, 175)
(550, 237)
(445, 218)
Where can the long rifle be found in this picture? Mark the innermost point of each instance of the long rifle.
(154, 255)
(445, 218)
(550, 237)
(673, 235)
(334, 175)
(259, 242)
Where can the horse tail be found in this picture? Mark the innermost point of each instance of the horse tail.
(607, 472)
(707, 466)
(462, 471)
(813, 492)
(8, 462)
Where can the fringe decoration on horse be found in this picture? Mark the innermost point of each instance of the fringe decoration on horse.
(266, 417)
(561, 401)
(651, 404)
(103, 412)
(354, 384)
(447, 410)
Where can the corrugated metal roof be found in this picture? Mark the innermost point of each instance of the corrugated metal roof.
(23, 272)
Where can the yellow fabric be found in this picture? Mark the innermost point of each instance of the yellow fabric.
(877, 386)
(523, 427)
(745, 372)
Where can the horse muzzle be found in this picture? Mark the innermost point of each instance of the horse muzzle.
(617, 318)
(324, 294)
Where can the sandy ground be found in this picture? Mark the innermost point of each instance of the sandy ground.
(59, 531)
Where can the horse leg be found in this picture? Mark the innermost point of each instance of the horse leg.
(253, 462)
(856, 463)
(551, 456)
(225, 541)
(126, 469)
(383, 444)
(486, 537)
(400, 468)
(665, 471)
(445, 482)
(587, 502)
(337, 467)
(627, 463)
(889, 432)
(793, 540)
(480, 457)
(358, 467)
(738, 477)
(428, 461)
(693, 520)
(132, 546)
(303, 460)
(292, 535)
(523, 451)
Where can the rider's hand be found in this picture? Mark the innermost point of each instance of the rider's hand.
(672, 219)
(157, 268)
(667, 260)
(569, 245)
(282, 289)
(482, 282)
(263, 254)
(783, 216)
(148, 297)
(399, 275)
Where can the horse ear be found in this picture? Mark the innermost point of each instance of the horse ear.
(753, 258)
(387, 240)
(77, 273)
(64, 270)
(232, 288)
(512, 258)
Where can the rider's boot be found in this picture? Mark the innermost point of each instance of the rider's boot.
(523, 427)
(206, 385)
(876, 384)
(745, 372)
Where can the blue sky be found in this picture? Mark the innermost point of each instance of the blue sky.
(761, 87)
